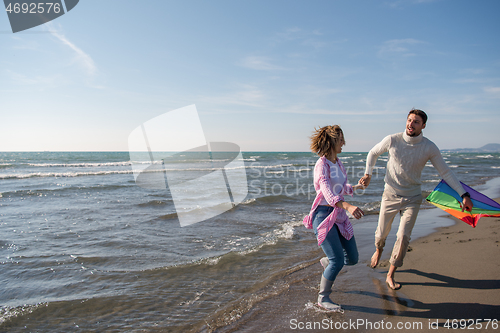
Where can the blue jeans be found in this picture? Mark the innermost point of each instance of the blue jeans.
(339, 250)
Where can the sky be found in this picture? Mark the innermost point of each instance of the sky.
(262, 74)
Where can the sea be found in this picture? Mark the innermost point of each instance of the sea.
(85, 248)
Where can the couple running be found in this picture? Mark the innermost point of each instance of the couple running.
(408, 152)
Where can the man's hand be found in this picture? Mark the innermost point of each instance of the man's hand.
(365, 180)
(467, 204)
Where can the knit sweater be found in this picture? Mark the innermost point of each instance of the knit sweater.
(407, 158)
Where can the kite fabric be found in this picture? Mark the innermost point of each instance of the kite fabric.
(448, 200)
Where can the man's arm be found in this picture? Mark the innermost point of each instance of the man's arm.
(450, 178)
(371, 159)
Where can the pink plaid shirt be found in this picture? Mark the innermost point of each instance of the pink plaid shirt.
(322, 185)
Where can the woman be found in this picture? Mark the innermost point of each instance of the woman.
(328, 215)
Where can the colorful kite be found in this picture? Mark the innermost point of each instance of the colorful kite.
(448, 200)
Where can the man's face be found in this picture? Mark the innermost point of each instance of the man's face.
(414, 125)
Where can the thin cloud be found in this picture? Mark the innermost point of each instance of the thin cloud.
(399, 47)
(83, 58)
(400, 3)
(495, 91)
(303, 109)
(260, 64)
(306, 38)
(289, 34)
(247, 96)
(32, 80)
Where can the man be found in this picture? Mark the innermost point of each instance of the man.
(408, 153)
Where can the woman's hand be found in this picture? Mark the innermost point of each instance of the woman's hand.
(355, 211)
(358, 187)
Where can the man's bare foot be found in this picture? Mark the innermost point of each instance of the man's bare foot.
(375, 258)
(392, 284)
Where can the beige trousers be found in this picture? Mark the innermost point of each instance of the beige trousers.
(408, 208)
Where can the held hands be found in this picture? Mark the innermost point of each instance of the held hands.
(365, 180)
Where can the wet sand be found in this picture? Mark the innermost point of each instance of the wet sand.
(450, 275)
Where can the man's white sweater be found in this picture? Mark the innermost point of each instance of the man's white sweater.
(407, 158)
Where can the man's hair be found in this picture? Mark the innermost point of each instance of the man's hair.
(325, 138)
(419, 113)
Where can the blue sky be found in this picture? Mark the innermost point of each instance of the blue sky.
(262, 74)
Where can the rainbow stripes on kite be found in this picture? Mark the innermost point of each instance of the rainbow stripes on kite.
(448, 200)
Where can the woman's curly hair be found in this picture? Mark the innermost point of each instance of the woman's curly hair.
(325, 138)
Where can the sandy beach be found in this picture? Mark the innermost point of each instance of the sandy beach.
(451, 275)
(450, 280)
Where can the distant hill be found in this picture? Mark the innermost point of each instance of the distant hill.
(489, 148)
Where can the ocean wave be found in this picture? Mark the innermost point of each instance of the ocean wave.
(145, 162)
(204, 160)
(8, 313)
(80, 165)
(271, 199)
(64, 174)
(288, 168)
(169, 216)
(276, 172)
(6, 165)
(300, 170)
(62, 189)
(245, 245)
(370, 208)
(271, 166)
(247, 202)
(153, 203)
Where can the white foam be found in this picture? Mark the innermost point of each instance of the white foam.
(275, 172)
(270, 166)
(10, 312)
(62, 174)
(81, 165)
(249, 201)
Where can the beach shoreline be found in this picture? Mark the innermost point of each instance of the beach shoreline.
(449, 279)
(86, 249)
